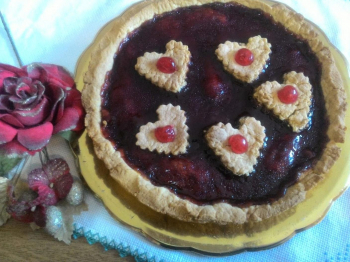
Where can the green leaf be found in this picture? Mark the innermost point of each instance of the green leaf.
(7, 164)
(70, 136)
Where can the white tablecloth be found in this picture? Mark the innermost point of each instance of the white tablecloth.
(59, 31)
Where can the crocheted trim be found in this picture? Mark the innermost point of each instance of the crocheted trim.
(123, 249)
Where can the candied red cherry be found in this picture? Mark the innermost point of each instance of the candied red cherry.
(165, 134)
(288, 94)
(244, 57)
(166, 65)
(238, 143)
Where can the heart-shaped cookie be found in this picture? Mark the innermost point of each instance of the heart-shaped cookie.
(168, 134)
(166, 70)
(245, 61)
(237, 148)
(296, 110)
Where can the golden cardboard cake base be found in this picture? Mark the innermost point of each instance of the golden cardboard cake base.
(211, 238)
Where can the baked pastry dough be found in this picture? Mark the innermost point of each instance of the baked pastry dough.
(257, 45)
(146, 65)
(295, 113)
(252, 130)
(168, 114)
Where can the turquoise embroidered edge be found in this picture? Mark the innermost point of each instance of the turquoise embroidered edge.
(123, 250)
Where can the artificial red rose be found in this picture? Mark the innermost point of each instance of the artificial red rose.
(36, 102)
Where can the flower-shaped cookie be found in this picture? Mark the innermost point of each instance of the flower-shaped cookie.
(168, 134)
(245, 61)
(237, 148)
(166, 70)
(296, 110)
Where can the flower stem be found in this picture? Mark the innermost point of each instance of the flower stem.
(44, 156)
(18, 171)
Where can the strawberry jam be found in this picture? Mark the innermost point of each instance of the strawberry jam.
(211, 96)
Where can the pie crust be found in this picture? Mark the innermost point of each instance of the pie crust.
(162, 199)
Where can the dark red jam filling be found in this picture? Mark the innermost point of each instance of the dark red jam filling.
(212, 95)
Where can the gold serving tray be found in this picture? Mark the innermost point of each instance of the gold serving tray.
(210, 238)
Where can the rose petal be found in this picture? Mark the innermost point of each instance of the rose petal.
(72, 96)
(53, 81)
(5, 103)
(34, 116)
(11, 120)
(37, 177)
(7, 133)
(3, 75)
(81, 112)
(25, 79)
(56, 168)
(23, 88)
(63, 185)
(80, 125)
(38, 90)
(57, 96)
(22, 104)
(66, 77)
(58, 76)
(18, 71)
(74, 99)
(15, 149)
(50, 69)
(68, 121)
(36, 137)
(33, 70)
(36, 72)
(60, 111)
(34, 88)
(10, 85)
(10, 71)
(51, 74)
